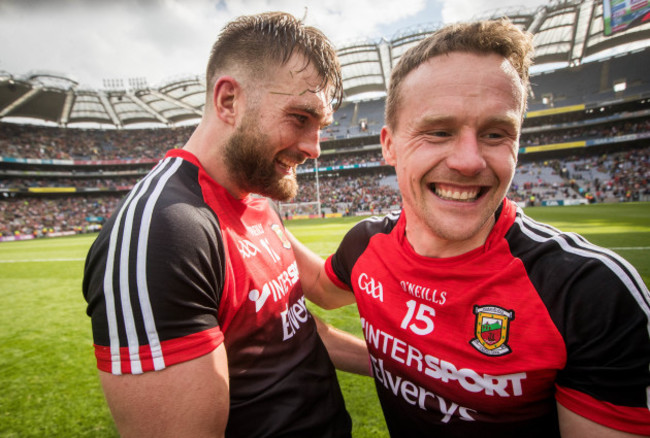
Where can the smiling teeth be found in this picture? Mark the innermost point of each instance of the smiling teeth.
(285, 164)
(455, 195)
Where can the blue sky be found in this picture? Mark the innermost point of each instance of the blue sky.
(161, 40)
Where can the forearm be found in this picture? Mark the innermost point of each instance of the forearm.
(316, 285)
(309, 263)
(348, 352)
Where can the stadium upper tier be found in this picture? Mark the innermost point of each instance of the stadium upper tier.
(569, 32)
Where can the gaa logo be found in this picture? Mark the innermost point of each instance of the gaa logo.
(247, 248)
(371, 286)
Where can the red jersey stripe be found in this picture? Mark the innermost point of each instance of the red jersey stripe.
(174, 351)
(625, 418)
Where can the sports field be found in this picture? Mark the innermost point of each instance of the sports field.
(48, 382)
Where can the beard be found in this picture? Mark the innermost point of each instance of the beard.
(250, 166)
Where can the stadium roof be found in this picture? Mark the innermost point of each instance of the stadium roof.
(565, 31)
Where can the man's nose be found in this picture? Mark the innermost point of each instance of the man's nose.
(467, 154)
(309, 143)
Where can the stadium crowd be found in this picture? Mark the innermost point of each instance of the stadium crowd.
(351, 193)
(587, 132)
(29, 141)
(121, 183)
(616, 177)
(40, 216)
(619, 177)
(350, 159)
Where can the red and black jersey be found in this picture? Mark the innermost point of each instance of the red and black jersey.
(181, 267)
(485, 343)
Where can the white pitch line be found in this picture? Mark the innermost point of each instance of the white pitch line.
(41, 260)
(631, 248)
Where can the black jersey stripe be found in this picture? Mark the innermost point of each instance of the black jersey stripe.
(141, 268)
(118, 261)
(575, 244)
(587, 249)
(356, 241)
(130, 219)
(578, 241)
(109, 292)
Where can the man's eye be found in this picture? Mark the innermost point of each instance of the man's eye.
(500, 136)
(300, 118)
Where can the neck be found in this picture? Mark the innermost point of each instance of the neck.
(207, 146)
(426, 242)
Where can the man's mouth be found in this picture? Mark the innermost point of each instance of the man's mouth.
(286, 165)
(457, 193)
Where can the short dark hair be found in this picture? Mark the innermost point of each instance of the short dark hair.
(256, 41)
(500, 37)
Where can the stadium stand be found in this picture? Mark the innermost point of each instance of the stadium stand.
(586, 136)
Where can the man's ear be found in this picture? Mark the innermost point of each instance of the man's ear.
(387, 145)
(225, 98)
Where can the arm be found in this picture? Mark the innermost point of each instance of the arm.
(348, 353)
(573, 425)
(316, 285)
(190, 399)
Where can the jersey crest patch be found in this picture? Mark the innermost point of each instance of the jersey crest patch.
(492, 328)
(278, 230)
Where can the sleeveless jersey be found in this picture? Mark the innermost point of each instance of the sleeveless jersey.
(181, 267)
(483, 344)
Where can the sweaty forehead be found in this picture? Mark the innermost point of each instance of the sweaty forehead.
(298, 100)
(464, 74)
(468, 66)
(296, 77)
(301, 85)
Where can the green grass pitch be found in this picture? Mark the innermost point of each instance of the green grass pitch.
(47, 367)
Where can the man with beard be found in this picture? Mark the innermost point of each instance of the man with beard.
(199, 320)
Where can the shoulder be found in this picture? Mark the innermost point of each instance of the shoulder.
(600, 306)
(572, 274)
(542, 246)
(356, 241)
(169, 206)
(364, 230)
(163, 215)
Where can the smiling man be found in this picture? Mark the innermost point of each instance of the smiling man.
(478, 320)
(199, 320)
(454, 146)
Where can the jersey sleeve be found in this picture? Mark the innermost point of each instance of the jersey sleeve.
(334, 277)
(339, 265)
(606, 331)
(153, 280)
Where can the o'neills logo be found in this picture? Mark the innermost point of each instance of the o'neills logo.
(492, 329)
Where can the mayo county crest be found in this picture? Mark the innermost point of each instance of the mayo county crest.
(278, 230)
(492, 328)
